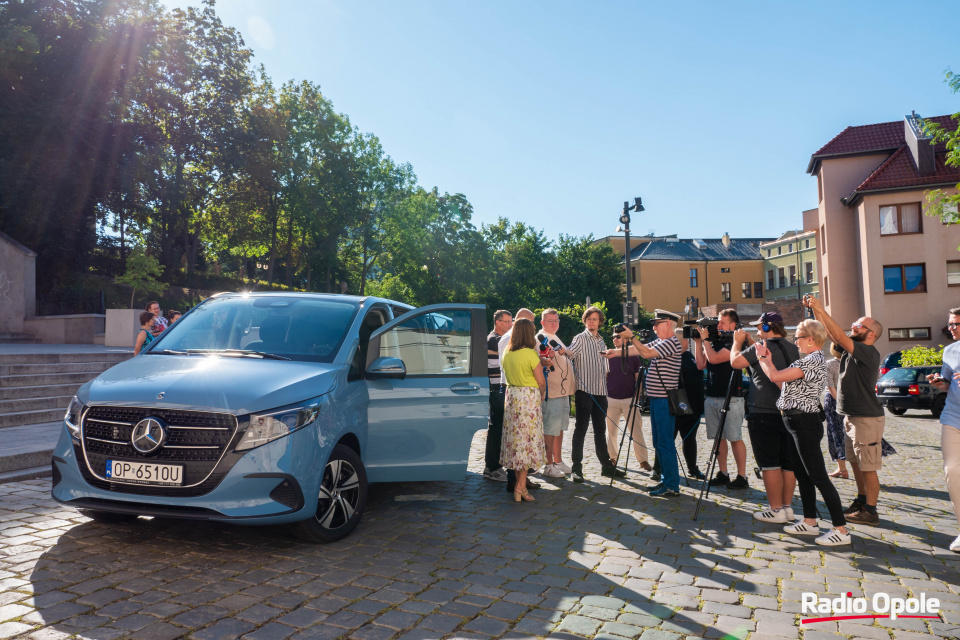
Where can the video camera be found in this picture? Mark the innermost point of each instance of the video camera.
(713, 333)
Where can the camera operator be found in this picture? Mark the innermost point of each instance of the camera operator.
(662, 376)
(949, 380)
(772, 444)
(714, 355)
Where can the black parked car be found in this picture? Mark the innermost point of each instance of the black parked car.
(907, 388)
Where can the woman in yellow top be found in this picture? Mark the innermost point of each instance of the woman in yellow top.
(522, 445)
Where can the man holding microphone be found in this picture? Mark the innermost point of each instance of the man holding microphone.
(949, 380)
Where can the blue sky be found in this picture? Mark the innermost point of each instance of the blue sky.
(556, 112)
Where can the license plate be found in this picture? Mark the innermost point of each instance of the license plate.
(892, 392)
(145, 472)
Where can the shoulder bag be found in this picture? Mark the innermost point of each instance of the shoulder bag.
(679, 404)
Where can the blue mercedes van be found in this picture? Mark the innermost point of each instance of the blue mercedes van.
(268, 408)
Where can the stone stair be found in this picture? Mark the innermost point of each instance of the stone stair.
(35, 389)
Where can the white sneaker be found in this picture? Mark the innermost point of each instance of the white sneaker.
(801, 528)
(833, 538)
(500, 475)
(552, 471)
(775, 516)
(563, 467)
(955, 545)
(789, 511)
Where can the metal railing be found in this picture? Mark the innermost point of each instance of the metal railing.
(66, 304)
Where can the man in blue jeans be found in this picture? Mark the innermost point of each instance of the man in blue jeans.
(663, 375)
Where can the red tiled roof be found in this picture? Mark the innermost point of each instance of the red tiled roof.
(899, 170)
(885, 136)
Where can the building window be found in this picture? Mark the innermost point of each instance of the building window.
(900, 219)
(953, 273)
(725, 291)
(781, 278)
(904, 278)
(633, 274)
(769, 252)
(757, 289)
(912, 333)
(806, 243)
(793, 275)
(808, 272)
(823, 240)
(770, 284)
(826, 291)
(819, 187)
(724, 269)
(780, 250)
(693, 278)
(790, 248)
(747, 289)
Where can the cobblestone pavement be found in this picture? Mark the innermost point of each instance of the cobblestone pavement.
(460, 560)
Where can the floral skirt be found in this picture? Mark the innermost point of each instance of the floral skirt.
(522, 444)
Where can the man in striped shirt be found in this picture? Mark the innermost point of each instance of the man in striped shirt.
(493, 470)
(586, 351)
(663, 375)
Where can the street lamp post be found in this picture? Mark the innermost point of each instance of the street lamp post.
(629, 311)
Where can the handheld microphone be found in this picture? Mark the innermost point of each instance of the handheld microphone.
(544, 347)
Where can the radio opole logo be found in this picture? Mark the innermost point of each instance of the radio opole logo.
(846, 607)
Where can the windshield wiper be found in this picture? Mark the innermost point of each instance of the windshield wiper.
(251, 352)
(171, 352)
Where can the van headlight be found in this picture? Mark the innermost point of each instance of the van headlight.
(266, 427)
(72, 417)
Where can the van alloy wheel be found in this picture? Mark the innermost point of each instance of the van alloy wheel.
(341, 500)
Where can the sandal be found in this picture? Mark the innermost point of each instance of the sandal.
(839, 474)
(525, 495)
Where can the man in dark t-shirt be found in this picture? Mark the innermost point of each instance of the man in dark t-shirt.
(493, 470)
(863, 417)
(715, 357)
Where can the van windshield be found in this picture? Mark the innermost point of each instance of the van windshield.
(288, 327)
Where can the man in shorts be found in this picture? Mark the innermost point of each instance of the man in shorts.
(863, 417)
(714, 355)
(561, 384)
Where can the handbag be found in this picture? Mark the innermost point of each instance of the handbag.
(676, 398)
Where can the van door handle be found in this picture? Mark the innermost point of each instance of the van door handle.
(465, 387)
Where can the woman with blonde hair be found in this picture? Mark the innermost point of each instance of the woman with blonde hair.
(522, 445)
(800, 386)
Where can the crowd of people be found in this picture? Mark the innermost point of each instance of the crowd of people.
(796, 397)
(152, 323)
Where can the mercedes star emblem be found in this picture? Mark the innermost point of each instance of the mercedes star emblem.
(148, 435)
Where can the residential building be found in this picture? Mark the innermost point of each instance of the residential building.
(790, 265)
(878, 253)
(667, 271)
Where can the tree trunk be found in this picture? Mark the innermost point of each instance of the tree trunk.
(275, 215)
(289, 275)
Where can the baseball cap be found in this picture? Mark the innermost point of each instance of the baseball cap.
(768, 317)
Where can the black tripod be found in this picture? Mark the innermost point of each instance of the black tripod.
(715, 452)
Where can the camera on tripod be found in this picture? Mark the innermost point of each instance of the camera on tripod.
(714, 334)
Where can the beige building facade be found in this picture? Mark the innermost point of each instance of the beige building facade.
(879, 254)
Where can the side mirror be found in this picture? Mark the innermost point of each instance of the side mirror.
(386, 369)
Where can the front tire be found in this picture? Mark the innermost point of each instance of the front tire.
(897, 411)
(341, 501)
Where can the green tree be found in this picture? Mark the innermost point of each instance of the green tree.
(943, 205)
(143, 273)
(921, 356)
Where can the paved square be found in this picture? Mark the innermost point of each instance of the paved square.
(461, 560)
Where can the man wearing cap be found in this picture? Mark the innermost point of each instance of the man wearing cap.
(863, 417)
(773, 446)
(715, 357)
(663, 375)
